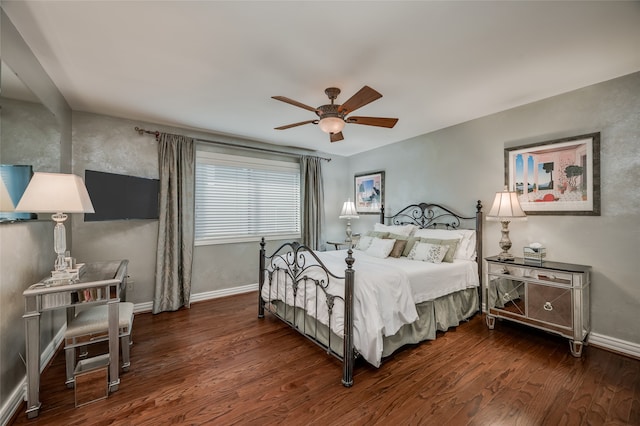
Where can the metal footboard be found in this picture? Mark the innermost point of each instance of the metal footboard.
(292, 279)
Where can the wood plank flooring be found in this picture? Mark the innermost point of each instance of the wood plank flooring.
(217, 363)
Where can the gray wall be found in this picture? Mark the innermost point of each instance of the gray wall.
(461, 164)
(110, 144)
(26, 249)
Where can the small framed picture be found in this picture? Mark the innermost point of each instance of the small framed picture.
(369, 192)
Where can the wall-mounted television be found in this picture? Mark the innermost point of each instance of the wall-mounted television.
(121, 197)
(13, 182)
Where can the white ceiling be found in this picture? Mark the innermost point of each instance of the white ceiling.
(214, 65)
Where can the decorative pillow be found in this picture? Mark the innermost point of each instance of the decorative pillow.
(398, 247)
(364, 242)
(451, 244)
(469, 252)
(466, 248)
(427, 252)
(405, 230)
(410, 243)
(380, 248)
(442, 234)
(398, 237)
(378, 234)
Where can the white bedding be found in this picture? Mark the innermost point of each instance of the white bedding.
(385, 294)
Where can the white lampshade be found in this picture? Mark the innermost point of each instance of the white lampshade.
(506, 206)
(331, 124)
(55, 193)
(349, 210)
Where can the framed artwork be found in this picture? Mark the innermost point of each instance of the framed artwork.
(369, 192)
(558, 177)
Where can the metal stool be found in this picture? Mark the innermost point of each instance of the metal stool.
(92, 326)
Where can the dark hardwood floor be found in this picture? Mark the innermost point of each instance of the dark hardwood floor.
(217, 363)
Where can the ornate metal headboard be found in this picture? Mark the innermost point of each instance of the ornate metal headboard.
(429, 215)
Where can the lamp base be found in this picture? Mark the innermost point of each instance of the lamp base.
(506, 256)
(505, 242)
(348, 232)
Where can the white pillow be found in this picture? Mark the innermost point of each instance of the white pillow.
(466, 248)
(427, 252)
(364, 242)
(405, 230)
(470, 248)
(380, 247)
(440, 234)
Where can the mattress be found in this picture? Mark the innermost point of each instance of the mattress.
(386, 292)
(428, 281)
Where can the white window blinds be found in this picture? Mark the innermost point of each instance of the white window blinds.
(242, 199)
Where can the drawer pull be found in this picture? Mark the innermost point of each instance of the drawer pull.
(548, 306)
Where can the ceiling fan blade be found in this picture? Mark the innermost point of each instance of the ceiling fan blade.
(292, 102)
(373, 121)
(335, 137)
(364, 96)
(288, 126)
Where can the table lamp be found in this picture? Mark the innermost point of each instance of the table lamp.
(506, 208)
(349, 212)
(56, 193)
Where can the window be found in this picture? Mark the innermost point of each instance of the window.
(242, 199)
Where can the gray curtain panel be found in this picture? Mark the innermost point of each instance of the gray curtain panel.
(176, 226)
(312, 201)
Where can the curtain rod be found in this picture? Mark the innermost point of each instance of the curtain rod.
(250, 148)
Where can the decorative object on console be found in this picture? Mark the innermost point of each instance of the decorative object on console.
(348, 212)
(56, 193)
(505, 209)
(534, 253)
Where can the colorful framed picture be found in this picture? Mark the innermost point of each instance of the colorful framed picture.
(369, 192)
(558, 177)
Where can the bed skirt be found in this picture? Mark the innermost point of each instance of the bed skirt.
(433, 315)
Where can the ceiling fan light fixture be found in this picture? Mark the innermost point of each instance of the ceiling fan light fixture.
(331, 124)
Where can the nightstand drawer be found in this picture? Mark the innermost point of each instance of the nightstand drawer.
(553, 277)
(550, 304)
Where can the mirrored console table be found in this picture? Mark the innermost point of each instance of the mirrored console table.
(100, 283)
(551, 296)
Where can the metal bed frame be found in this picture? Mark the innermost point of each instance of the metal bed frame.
(289, 258)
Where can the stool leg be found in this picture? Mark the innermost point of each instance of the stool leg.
(70, 361)
(124, 346)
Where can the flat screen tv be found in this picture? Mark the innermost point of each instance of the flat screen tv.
(121, 197)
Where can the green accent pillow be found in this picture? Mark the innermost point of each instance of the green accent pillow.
(410, 243)
(398, 237)
(398, 247)
(452, 244)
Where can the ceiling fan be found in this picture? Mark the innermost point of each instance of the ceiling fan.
(332, 117)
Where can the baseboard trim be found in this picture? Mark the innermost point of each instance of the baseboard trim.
(615, 345)
(13, 403)
(19, 394)
(200, 297)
